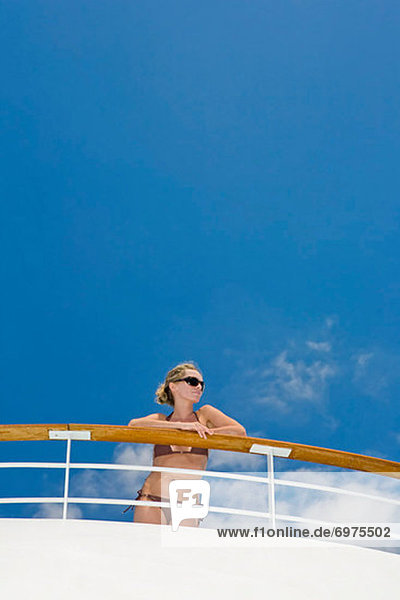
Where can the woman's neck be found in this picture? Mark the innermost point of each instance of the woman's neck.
(183, 412)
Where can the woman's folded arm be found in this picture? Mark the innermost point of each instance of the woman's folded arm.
(156, 420)
(230, 429)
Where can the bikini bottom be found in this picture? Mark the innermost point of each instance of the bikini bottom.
(140, 495)
(166, 511)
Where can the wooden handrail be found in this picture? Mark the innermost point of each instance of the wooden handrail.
(232, 443)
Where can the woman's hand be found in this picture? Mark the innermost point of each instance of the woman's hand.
(202, 430)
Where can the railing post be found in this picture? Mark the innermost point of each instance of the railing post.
(69, 436)
(271, 488)
(66, 480)
(271, 451)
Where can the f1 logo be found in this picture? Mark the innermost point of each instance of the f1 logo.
(189, 499)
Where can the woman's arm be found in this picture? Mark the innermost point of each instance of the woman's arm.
(159, 420)
(154, 420)
(219, 422)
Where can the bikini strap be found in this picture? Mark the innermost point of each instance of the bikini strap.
(170, 415)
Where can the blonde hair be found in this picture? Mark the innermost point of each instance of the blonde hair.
(163, 393)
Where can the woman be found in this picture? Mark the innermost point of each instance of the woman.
(182, 388)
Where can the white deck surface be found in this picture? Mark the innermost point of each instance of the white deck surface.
(46, 558)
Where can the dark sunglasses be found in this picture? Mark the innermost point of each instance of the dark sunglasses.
(193, 381)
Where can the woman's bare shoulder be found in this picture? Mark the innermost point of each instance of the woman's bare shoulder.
(158, 416)
(205, 412)
(147, 418)
(214, 417)
(155, 416)
(207, 409)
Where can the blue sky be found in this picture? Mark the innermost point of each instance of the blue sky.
(215, 181)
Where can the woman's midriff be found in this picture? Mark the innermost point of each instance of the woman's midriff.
(157, 483)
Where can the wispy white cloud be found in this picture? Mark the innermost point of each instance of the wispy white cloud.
(301, 374)
(129, 454)
(375, 372)
(54, 511)
(331, 321)
(319, 346)
(307, 503)
(289, 382)
(328, 506)
(221, 460)
(362, 364)
(114, 484)
(363, 359)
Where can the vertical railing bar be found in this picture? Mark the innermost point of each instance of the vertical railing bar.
(271, 488)
(66, 480)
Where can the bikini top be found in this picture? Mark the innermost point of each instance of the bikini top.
(160, 450)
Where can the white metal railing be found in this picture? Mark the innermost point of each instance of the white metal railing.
(270, 480)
